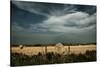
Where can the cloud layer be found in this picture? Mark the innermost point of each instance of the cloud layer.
(78, 21)
(60, 19)
(65, 19)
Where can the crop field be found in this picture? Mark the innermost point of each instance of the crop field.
(37, 55)
(34, 50)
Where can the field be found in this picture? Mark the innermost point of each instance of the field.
(38, 55)
(56, 49)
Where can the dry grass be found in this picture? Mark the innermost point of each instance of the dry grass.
(35, 50)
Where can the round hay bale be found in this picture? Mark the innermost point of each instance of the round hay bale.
(21, 46)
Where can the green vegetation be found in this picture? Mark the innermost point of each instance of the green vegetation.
(51, 58)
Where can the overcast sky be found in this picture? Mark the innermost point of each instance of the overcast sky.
(39, 23)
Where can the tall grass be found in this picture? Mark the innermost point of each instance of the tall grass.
(19, 59)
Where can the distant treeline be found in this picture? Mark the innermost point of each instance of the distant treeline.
(65, 44)
(19, 59)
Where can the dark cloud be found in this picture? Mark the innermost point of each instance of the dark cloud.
(87, 8)
(23, 17)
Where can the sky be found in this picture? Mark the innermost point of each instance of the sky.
(49, 23)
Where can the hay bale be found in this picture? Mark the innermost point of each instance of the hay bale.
(60, 48)
(21, 46)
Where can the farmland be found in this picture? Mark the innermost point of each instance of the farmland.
(63, 49)
(37, 55)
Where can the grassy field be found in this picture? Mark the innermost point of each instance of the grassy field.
(63, 49)
(36, 55)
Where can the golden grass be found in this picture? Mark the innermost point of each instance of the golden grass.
(35, 50)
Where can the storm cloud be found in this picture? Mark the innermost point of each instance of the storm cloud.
(53, 20)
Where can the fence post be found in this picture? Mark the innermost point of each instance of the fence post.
(45, 54)
(68, 49)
